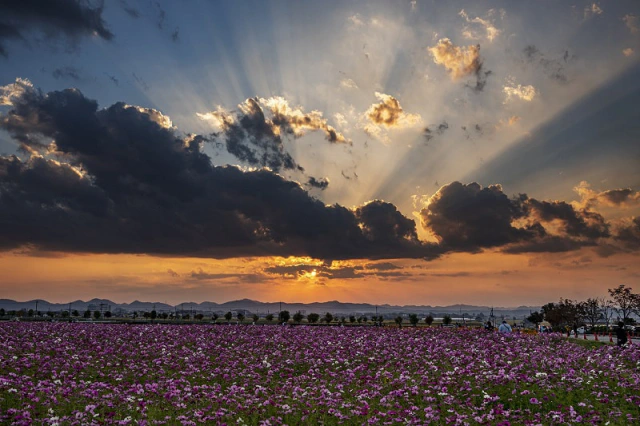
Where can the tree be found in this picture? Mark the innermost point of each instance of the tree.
(480, 317)
(135, 314)
(564, 313)
(186, 316)
(592, 311)
(536, 318)
(255, 318)
(413, 319)
(2, 312)
(240, 316)
(75, 313)
(607, 309)
(97, 314)
(269, 317)
(199, 317)
(625, 301)
(298, 317)
(429, 320)
(328, 318)
(365, 319)
(228, 316)
(30, 313)
(398, 321)
(313, 318)
(65, 314)
(352, 319)
(446, 320)
(87, 314)
(214, 317)
(283, 317)
(153, 314)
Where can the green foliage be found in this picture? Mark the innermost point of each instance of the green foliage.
(97, 314)
(328, 318)
(228, 316)
(313, 318)
(535, 317)
(413, 319)
(429, 320)
(298, 317)
(446, 320)
(255, 318)
(269, 317)
(284, 316)
(240, 316)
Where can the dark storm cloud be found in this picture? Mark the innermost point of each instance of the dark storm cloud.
(470, 217)
(19, 19)
(253, 139)
(575, 223)
(127, 183)
(253, 134)
(629, 234)
(66, 73)
(383, 222)
(322, 183)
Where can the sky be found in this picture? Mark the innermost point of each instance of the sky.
(401, 152)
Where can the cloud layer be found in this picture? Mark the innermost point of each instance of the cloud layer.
(19, 19)
(123, 180)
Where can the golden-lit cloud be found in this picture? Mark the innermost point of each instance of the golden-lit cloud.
(220, 118)
(459, 61)
(154, 115)
(298, 122)
(283, 118)
(389, 113)
(620, 198)
(513, 90)
(477, 26)
(592, 9)
(627, 52)
(12, 91)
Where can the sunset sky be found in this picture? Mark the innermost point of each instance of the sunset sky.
(407, 152)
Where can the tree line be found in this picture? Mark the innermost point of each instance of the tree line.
(622, 303)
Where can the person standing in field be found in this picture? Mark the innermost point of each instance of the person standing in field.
(621, 334)
(504, 328)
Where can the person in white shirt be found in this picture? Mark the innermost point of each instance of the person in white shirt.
(504, 328)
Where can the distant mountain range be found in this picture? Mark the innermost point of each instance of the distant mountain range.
(254, 306)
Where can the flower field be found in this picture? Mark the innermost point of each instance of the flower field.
(58, 373)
